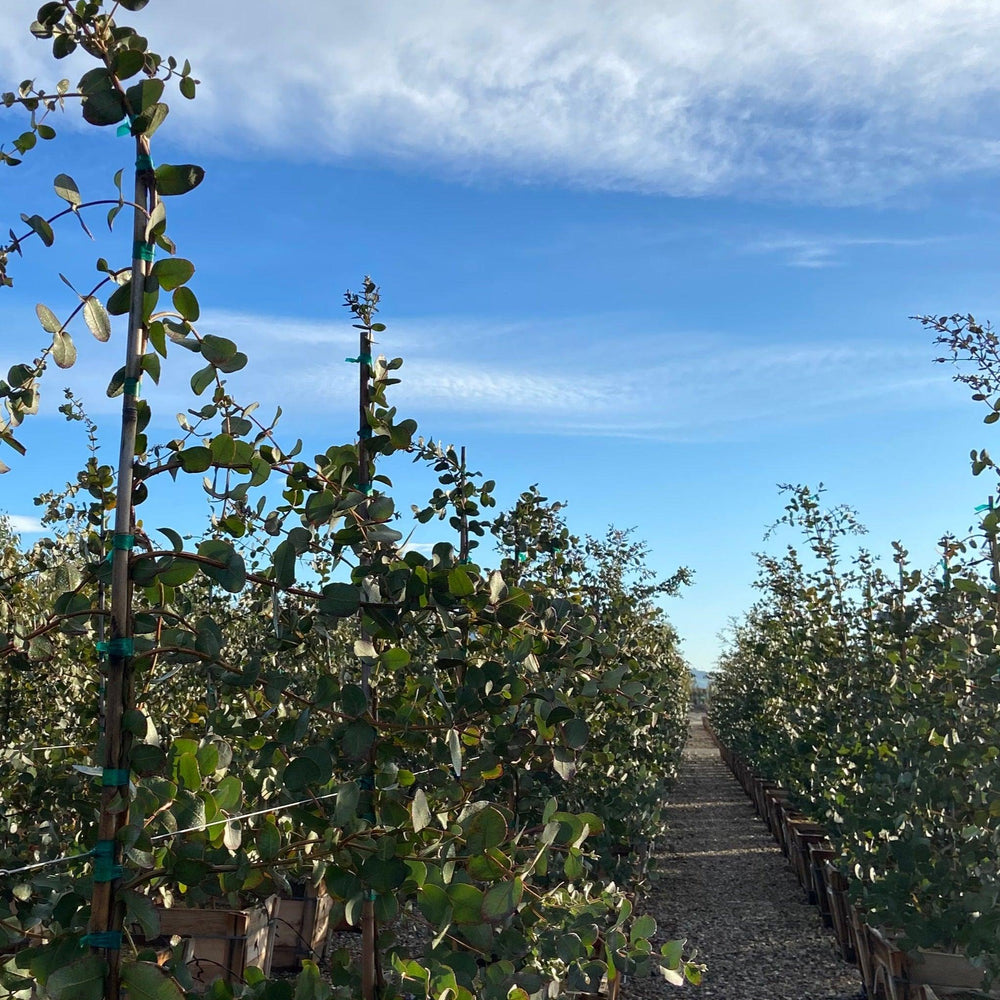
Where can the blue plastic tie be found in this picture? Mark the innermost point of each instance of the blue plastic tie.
(117, 647)
(143, 162)
(365, 433)
(103, 939)
(141, 250)
(361, 359)
(131, 387)
(115, 777)
(105, 869)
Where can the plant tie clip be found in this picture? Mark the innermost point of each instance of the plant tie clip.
(361, 359)
(131, 387)
(126, 127)
(141, 250)
(103, 939)
(117, 647)
(115, 777)
(105, 869)
(122, 543)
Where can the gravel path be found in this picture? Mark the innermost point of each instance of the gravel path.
(724, 885)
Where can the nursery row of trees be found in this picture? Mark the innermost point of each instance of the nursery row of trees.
(873, 697)
(296, 693)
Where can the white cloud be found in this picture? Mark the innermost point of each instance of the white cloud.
(671, 385)
(24, 524)
(809, 99)
(827, 251)
(570, 378)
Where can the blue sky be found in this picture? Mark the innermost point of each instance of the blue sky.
(656, 258)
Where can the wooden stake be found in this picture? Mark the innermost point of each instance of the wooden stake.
(369, 939)
(107, 909)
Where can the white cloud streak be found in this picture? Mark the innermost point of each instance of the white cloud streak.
(569, 379)
(816, 252)
(803, 99)
(24, 524)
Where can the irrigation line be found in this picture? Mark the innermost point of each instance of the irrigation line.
(249, 815)
(61, 746)
(5, 872)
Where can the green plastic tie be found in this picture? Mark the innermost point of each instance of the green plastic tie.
(365, 433)
(117, 647)
(105, 869)
(142, 250)
(103, 939)
(372, 894)
(522, 557)
(131, 386)
(115, 777)
(143, 162)
(361, 359)
(123, 542)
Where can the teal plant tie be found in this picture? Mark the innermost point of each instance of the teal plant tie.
(117, 647)
(105, 869)
(115, 777)
(126, 127)
(131, 385)
(361, 359)
(122, 542)
(103, 939)
(367, 489)
(372, 894)
(365, 433)
(982, 507)
(142, 250)
(143, 162)
(522, 557)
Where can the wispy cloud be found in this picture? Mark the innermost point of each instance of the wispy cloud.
(672, 385)
(824, 101)
(830, 250)
(24, 524)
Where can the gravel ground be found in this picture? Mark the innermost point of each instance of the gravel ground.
(723, 884)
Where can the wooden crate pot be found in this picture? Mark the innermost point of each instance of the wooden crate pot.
(302, 925)
(943, 972)
(840, 910)
(819, 853)
(774, 799)
(225, 942)
(803, 836)
(863, 950)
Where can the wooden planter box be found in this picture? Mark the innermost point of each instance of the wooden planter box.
(225, 942)
(840, 910)
(819, 853)
(889, 973)
(302, 927)
(774, 799)
(863, 950)
(942, 971)
(804, 835)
